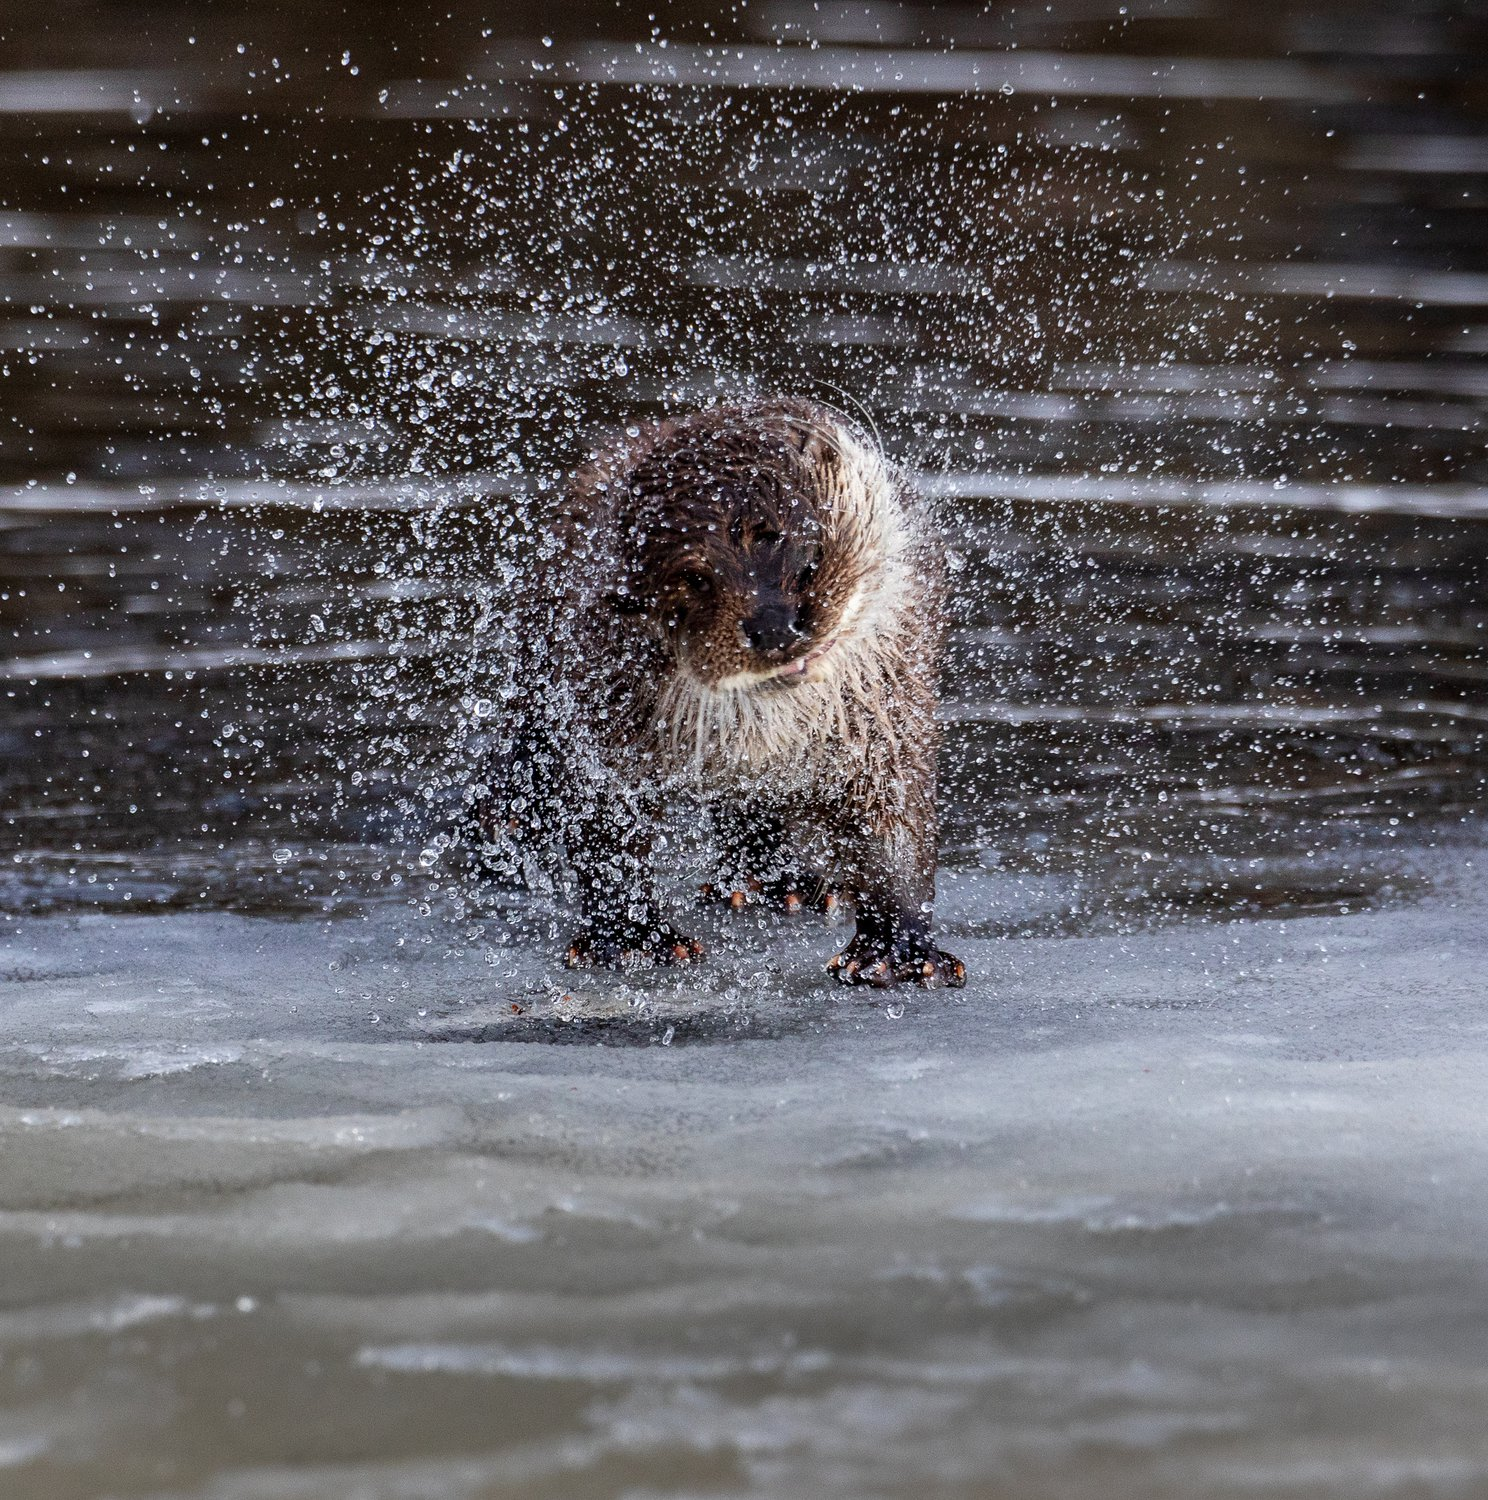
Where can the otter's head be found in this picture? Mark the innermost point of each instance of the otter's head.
(754, 545)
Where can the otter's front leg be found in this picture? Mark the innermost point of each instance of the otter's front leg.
(895, 890)
(609, 849)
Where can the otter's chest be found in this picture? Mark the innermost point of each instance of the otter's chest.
(780, 741)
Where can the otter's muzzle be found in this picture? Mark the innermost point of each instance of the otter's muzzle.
(772, 629)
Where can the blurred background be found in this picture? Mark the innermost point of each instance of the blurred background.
(1181, 309)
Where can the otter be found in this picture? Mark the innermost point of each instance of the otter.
(743, 606)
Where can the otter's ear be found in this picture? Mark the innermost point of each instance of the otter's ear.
(800, 436)
(816, 449)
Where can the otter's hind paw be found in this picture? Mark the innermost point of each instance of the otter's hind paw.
(881, 965)
(635, 948)
(787, 894)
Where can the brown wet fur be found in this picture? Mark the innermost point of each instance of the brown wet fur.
(742, 607)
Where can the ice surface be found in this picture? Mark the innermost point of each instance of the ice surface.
(303, 1208)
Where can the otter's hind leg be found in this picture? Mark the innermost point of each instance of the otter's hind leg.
(759, 863)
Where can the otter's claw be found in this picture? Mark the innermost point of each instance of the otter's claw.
(658, 945)
(881, 966)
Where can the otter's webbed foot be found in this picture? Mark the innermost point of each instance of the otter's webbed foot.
(882, 962)
(612, 945)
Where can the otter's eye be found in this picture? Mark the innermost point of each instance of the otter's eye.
(699, 584)
(813, 562)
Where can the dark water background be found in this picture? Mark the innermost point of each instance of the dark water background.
(1180, 306)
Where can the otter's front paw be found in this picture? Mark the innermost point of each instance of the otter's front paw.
(874, 962)
(634, 947)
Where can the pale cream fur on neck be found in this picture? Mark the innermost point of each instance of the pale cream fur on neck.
(748, 721)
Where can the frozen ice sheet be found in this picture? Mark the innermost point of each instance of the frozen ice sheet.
(304, 1208)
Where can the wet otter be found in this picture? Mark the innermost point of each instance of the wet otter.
(741, 605)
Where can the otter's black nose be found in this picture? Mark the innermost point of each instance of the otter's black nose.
(773, 628)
